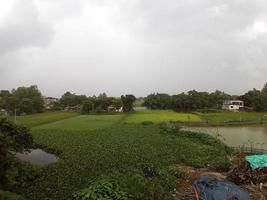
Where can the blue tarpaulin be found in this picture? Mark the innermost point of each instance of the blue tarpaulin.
(257, 161)
(210, 188)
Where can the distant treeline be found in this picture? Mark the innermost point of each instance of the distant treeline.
(95, 104)
(28, 100)
(193, 100)
(22, 100)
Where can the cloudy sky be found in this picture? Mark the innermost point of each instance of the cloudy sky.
(133, 46)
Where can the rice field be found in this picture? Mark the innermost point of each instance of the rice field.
(157, 116)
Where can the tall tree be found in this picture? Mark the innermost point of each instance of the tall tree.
(22, 100)
(127, 102)
(87, 107)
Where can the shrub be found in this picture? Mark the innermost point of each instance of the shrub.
(104, 189)
(20, 173)
(87, 107)
(146, 123)
(170, 128)
(12, 138)
(148, 169)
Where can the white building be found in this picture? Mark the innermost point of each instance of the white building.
(48, 102)
(233, 105)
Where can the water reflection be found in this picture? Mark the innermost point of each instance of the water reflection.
(37, 157)
(238, 136)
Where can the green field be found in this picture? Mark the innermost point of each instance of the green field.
(156, 116)
(43, 118)
(83, 122)
(137, 157)
(63, 120)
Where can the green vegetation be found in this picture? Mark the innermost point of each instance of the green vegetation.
(75, 121)
(127, 102)
(190, 101)
(83, 122)
(4, 195)
(25, 100)
(124, 156)
(43, 118)
(194, 100)
(102, 156)
(13, 138)
(134, 156)
(157, 116)
(87, 107)
(95, 104)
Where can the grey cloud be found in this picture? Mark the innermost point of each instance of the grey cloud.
(23, 28)
(138, 46)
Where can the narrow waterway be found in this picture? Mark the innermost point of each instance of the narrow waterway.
(238, 136)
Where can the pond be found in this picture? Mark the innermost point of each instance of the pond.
(239, 136)
(37, 157)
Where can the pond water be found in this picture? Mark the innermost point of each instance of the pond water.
(239, 136)
(37, 157)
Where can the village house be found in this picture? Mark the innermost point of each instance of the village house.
(233, 105)
(48, 102)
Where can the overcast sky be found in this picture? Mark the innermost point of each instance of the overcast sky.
(133, 46)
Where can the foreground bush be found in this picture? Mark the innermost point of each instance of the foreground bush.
(101, 190)
(12, 138)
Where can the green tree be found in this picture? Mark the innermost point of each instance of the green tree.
(87, 107)
(264, 89)
(158, 101)
(67, 99)
(116, 102)
(264, 97)
(12, 138)
(127, 102)
(24, 100)
(252, 99)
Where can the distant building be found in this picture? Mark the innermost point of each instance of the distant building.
(48, 102)
(3, 113)
(113, 109)
(233, 105)
(73, 108)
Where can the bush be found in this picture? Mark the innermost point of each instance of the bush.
(20, 173)
(87, 107)
(170, 128)
(104, 189)
(12, 138)
(148, 170)
(139, 187)
(146, 123)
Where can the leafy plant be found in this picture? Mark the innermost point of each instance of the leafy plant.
(101, 190)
